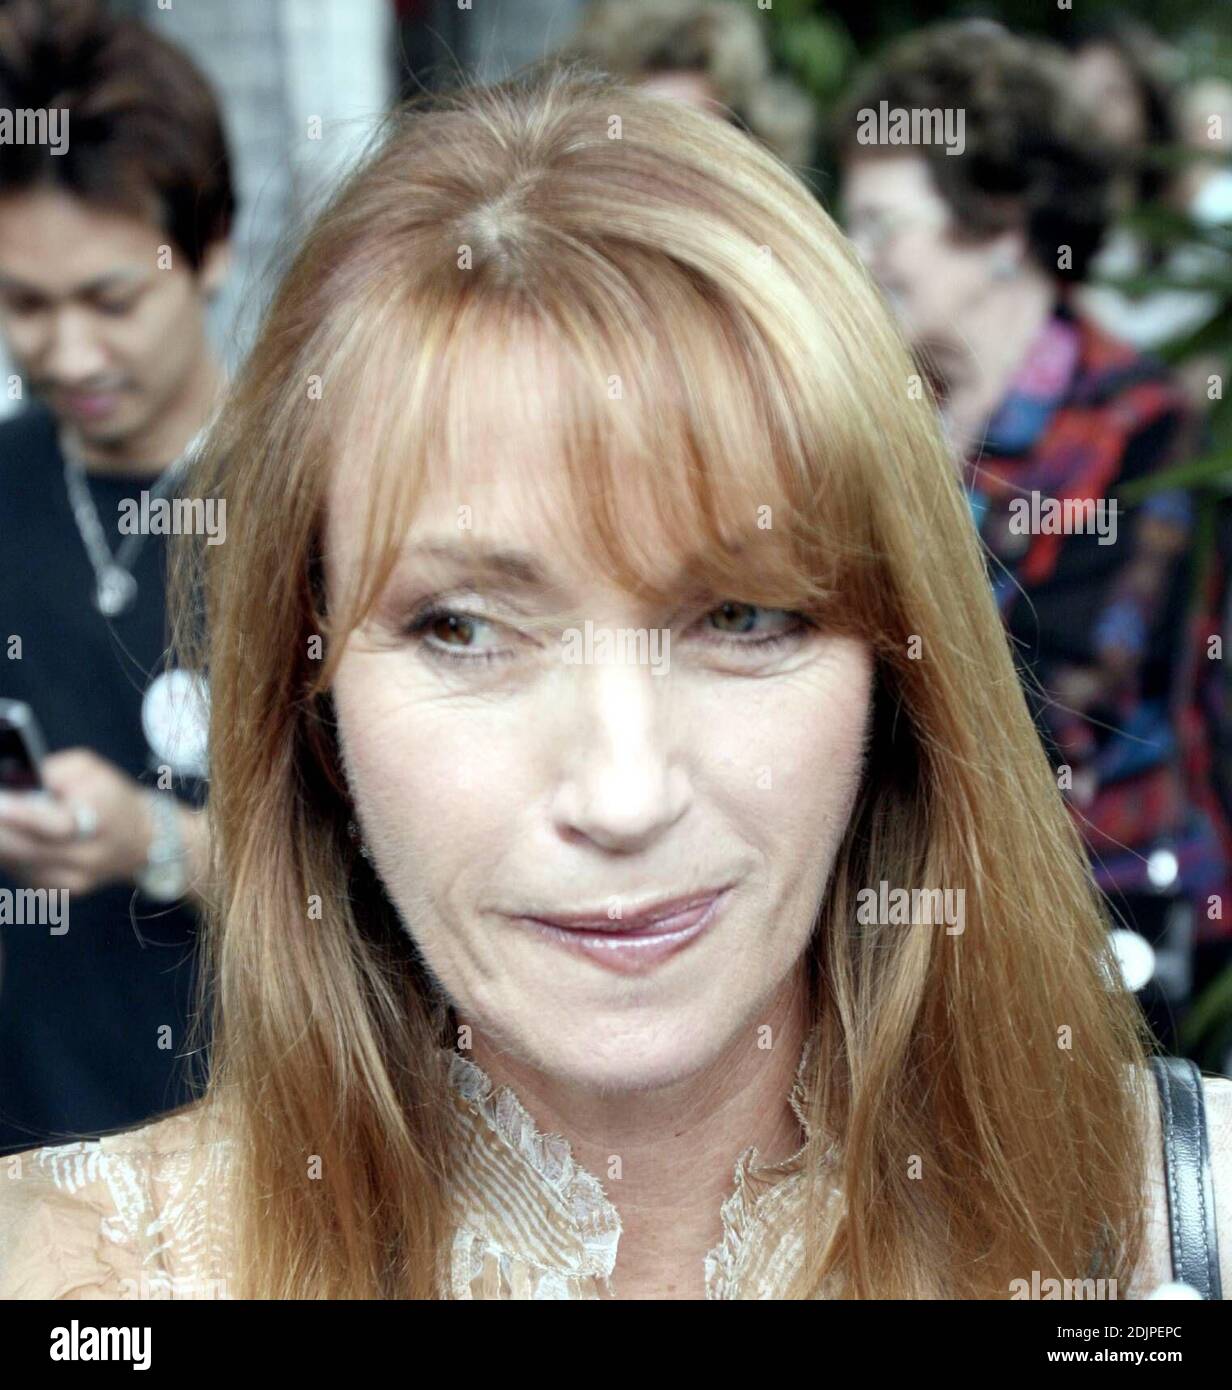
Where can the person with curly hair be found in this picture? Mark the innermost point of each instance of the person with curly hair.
(1050, 417)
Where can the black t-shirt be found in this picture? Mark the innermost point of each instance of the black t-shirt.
(93, 1020)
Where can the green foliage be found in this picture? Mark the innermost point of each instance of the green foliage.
(1205, 21)
(820, 53)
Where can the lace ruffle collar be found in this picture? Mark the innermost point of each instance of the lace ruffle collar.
(591, 1224)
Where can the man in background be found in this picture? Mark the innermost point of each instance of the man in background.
(110, 250)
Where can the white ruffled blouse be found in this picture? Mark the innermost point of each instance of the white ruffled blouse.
(125, 1216)
(130, 1215)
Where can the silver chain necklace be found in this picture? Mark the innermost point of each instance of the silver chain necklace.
(115, 589)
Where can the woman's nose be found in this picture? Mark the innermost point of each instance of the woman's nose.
(621, 784)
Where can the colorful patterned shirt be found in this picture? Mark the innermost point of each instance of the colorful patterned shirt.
(1096, 596)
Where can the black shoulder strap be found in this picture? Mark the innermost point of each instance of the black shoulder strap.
(1187, 1172)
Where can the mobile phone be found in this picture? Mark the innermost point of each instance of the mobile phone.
(22, 748)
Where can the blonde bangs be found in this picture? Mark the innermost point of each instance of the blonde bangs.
(680, 459)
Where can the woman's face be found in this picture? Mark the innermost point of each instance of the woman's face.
(905, 233)
(1107, 87)
(502, 771)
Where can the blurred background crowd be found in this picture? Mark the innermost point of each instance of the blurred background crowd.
(1057, 245)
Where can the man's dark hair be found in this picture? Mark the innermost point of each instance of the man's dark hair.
(145, 131)
(1030, 157)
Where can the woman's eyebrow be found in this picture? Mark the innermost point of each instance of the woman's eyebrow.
(518, 569)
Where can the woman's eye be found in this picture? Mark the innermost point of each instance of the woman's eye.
(749, 625)
(734, 617)
(453, 630)
(453, 635)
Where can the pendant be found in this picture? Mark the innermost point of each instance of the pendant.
(116, 591)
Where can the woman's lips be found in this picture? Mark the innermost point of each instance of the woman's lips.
(633, 944)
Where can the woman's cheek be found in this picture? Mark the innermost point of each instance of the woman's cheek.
(797, 742)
